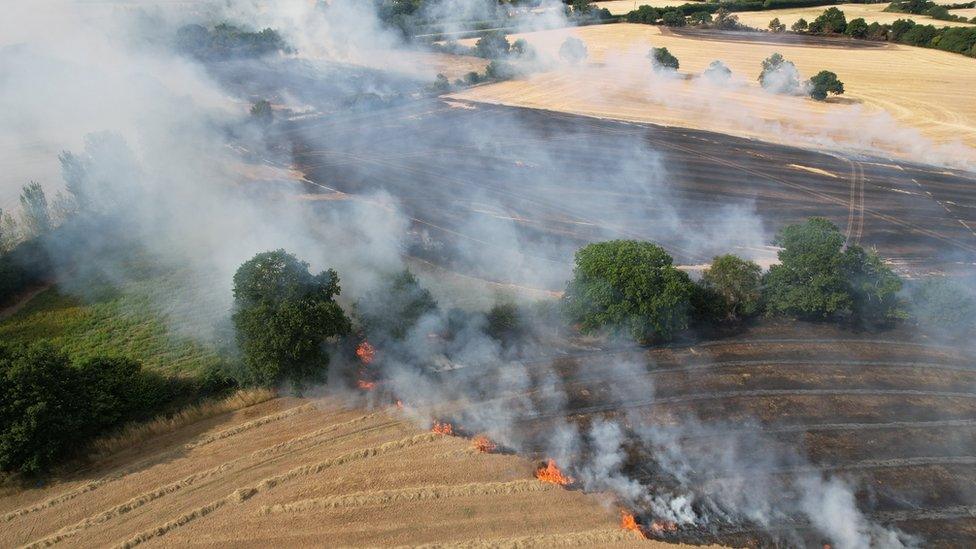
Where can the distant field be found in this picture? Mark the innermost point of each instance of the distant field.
(872, 13)
(893, 91)
(622, 7)
(125, 322)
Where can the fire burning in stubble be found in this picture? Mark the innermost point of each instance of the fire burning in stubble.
(551, 473)
(483, 444)
(659, 527)
(365, 352)
(443, 428)
(366, 385)
(628, 522)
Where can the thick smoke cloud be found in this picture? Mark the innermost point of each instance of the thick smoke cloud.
(205, 191)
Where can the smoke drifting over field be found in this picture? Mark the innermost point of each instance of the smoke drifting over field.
(171, 164)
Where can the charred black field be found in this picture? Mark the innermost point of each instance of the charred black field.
(567, 180)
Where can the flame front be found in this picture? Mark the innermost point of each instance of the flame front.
(483, 444)
(551, 473)
(366, 385)
(365, 352)
(628, 522)
(443, 428)
(663, 526)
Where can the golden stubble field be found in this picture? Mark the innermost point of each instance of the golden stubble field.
(900, 100)
(293, 472)
(872, 13)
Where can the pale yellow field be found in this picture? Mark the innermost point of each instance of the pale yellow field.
(970, 12)
(300, 473)
(900, 100)
(621, 7)
(870, 12)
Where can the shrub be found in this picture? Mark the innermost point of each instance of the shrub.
(663, 59)
(775, 26)
(628, 286)
(825, 82)
(673, 18)
(492, 45)
(779, 75)
(504, 322)
(283, 315)
(800, 25)
(700, 18)
(857, 28)
(394, 306)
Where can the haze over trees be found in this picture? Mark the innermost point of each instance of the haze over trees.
(779, 75)
(717, 72)
(394, 307)
(284, 316)
(225, 41)
(573, 50)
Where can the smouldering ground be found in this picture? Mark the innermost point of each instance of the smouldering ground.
(894, 92)
(294, 472)
(872, 13)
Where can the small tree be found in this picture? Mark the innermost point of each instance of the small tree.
(778, 74)
(832, 20)
(738, 284)
(673, 18)
(700, 18)
(441, 84)
(629, 286)
(726, 20)
(523, 49)
(825, 82)
(582, 7)
(800, 25)
(717, 71)
(492, 45)
(662, 59)
(261, 111)
(504, 322)
(283, 315)
(857, 28)
(775, 26)
(573, 50)
(644, 14)
(34, 210)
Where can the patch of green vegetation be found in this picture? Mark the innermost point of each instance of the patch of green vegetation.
(123, 321)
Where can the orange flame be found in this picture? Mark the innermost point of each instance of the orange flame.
(551, 473)
(628, 522)
(443, 428)
(366, 385)
(663, 526)
(365, 352)
(399, 404)
(483, 444)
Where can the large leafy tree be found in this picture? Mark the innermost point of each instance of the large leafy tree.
(825, 82)
(284, 316)
(737, 283)
(628, 286)
(821, 277)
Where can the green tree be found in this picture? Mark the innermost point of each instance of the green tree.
(42, 408)
(800, 25)
(33, 203)
(573, 50)
(673, 18)
(628, 286)
(832, 20)
(775, 26)
(582, 7)
(284, 315)
(662, 59)
(523, 49)
(778, 74)
(943, 306)
(644, 14)
(700, 18)
(492, 45)
(857, 28)
(822, 277)
(504, 322)
(825, 82)
(737, 283)
(726, 20)
(394, 306)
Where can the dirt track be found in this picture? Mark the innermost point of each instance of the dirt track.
(292, 472)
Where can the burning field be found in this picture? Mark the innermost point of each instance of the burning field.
(299, 472)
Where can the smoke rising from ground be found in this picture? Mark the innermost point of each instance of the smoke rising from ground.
(162, 140)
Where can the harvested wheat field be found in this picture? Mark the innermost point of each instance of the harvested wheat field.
(623, 7)
(872, 13)
(907, 112)
(297, 472)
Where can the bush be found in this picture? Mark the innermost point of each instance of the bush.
(644, 14)
(737, 283)
(492, 45)
(821, 277)
(775, 26)
(857, 28)
(662, 59)
(673, 18)
(628, 286)
(800, 25)
(504, 322)
(832, 20)
(573, 50)
(700, 18)
(825, 82)
(779, 75)
(283, 315)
